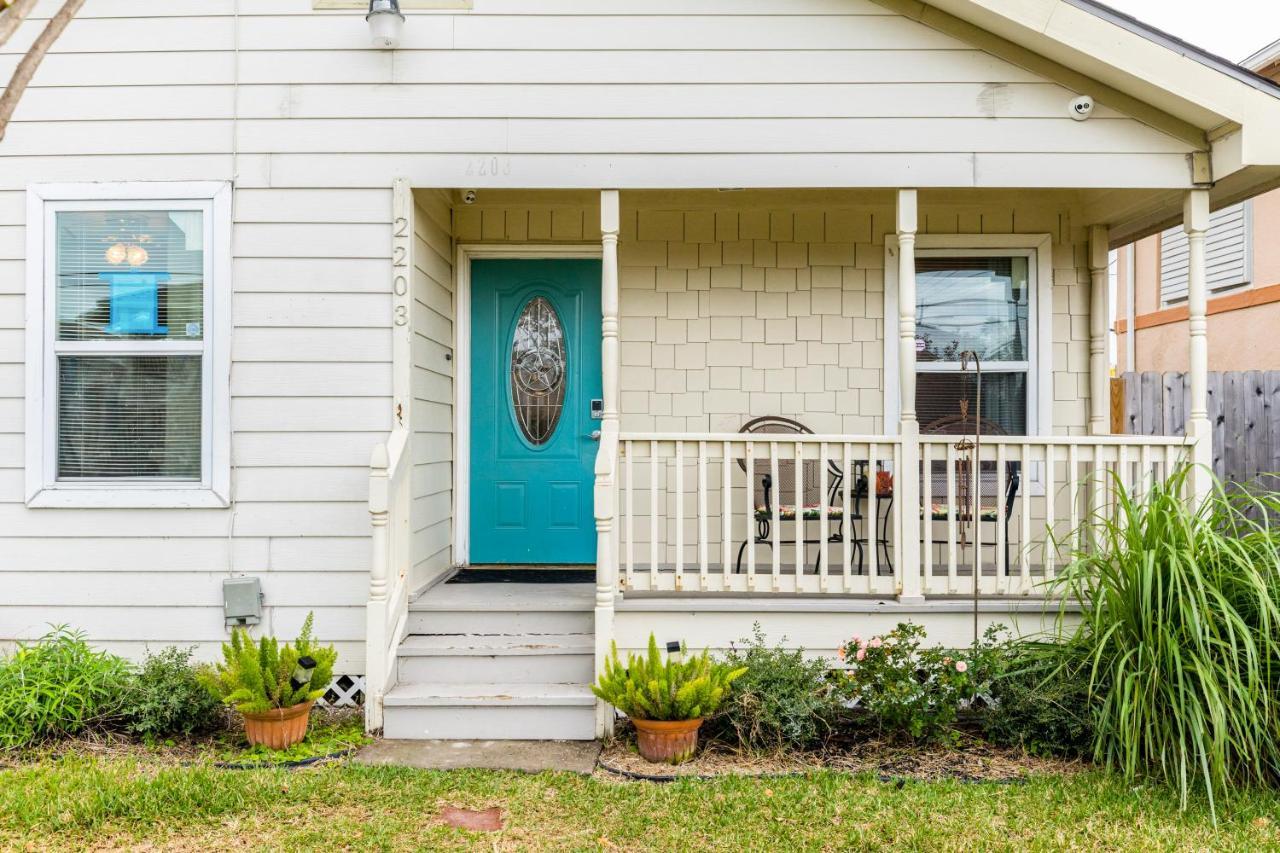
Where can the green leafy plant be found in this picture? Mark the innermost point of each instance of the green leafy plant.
(255, 677)
(1036, 696)
(783, 700)
(166, 699)
(1180, 635)
(907, 688)
(648, 687)
(58, 686)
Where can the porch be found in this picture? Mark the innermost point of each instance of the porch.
(880, 503)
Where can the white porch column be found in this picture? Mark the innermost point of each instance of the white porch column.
(607, 458)
(1099, 268)
(1195, 221)
(908, 479)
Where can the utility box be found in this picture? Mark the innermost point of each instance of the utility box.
(242, 601)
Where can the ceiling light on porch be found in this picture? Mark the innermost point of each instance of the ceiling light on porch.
(386, 23)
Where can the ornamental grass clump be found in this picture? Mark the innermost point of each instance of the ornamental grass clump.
(1180, 635)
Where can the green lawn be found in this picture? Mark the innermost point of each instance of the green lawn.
(77, 802)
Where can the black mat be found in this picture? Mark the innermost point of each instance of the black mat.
(529, 575)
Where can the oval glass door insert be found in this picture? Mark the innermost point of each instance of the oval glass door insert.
(539, 364)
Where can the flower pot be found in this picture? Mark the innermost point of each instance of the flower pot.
(279, 728)
(667, 741)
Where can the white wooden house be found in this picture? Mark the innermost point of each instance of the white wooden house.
(280, 304)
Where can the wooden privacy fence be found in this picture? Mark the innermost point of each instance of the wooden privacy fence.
(1244, 408)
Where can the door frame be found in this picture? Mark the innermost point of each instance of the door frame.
(464, 254)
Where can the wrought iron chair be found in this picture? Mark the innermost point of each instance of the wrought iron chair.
(815, 503)
(988, 483)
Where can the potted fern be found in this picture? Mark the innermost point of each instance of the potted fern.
(272, 686)
(666, 700)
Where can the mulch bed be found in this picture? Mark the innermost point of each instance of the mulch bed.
(970, 760)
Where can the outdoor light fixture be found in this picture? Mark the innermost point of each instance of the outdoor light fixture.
(302, 672)
(386, 23)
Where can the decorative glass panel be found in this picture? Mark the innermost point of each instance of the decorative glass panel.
(538, 367)
(129, 416)
(136, 274)
(978, 304)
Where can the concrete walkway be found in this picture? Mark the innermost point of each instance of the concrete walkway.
(529, 756)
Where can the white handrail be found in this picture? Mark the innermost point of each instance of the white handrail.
(387, 611)
(688, 519)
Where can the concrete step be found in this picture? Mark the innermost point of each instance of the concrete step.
(504, 609)
(463, 658)
(490, 711)
(500, 622)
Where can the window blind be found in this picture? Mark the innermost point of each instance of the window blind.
(129, 296)
(1226, 254)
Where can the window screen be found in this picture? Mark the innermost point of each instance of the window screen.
(129, 344)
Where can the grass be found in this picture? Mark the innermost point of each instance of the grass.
(77, 802)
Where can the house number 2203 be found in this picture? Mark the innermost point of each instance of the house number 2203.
(399, 264)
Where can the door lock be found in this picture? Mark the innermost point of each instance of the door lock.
(597, 410)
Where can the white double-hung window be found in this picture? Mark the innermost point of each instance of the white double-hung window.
(128, 345)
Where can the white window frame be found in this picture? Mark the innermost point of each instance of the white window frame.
(43, 489)
(1038, 248)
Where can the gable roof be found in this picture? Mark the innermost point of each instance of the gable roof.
(1244, 71)
(1130, 58)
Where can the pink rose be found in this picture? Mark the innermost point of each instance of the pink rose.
(857, 641)
(961, 666)
(876, 642)
(862, 653)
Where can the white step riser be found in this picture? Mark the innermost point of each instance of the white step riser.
(539, 722)
(499, 622)
(499, 669)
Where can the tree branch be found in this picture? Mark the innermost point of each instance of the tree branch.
(27, 67)
(12, 18)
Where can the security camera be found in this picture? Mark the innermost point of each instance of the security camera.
(469, 197)
(1081, 108)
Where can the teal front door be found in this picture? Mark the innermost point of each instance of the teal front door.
(535, 374)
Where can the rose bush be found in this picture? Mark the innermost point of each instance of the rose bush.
(907, 689)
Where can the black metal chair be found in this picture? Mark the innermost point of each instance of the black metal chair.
(815, 503)
(988, 501)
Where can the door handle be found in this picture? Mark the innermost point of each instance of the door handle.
(595, 435)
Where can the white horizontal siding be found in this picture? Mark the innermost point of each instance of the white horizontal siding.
(432, 386)
(553, 93)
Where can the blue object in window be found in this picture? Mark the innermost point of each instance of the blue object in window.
(135, 302)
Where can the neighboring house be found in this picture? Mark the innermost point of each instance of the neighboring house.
(1243, 257)
(280, 305)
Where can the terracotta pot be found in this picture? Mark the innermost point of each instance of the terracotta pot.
(279, 728)
(667, 741)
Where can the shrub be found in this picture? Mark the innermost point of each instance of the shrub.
(58, 686)
(782, 700)
(1037, 698)
(1180, 632)
(650, 688)
(256, 677)
(906, 689)
(166, 699)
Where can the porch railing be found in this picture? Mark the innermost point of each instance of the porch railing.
(816, 514)
(388, 608)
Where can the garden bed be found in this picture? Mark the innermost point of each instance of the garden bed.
(333, 733)
(970, 760)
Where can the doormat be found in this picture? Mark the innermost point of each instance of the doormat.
(530, 575)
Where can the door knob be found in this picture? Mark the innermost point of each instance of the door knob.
(595, 435)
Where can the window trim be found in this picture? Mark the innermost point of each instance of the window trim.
(1037, 247)
(42, 487)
